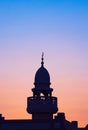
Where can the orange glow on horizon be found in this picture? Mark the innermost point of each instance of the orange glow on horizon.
(71, 101)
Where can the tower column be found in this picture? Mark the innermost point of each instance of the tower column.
(42, 105)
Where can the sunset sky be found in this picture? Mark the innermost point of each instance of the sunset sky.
(59, 28)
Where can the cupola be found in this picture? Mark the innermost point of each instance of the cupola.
(42, 77)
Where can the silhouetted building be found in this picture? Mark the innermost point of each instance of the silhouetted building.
(42, 105)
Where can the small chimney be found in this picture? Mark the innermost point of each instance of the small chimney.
(75, 123)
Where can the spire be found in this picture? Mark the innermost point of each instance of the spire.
(42, 63)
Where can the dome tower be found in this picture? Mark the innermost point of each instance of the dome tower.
(42, 105)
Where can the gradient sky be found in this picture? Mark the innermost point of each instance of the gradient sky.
(59, 28)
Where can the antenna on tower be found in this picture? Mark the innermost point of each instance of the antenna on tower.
(42, 63)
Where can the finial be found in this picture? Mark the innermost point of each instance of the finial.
(42, 63)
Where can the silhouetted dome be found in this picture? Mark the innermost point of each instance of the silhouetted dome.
(42, 77)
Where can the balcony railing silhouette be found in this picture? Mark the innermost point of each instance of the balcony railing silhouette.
(42, 104)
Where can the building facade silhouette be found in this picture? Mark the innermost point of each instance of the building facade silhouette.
(42, 105)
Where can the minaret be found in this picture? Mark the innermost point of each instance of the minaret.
(42, 105)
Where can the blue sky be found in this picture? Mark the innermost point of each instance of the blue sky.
(23, 21)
